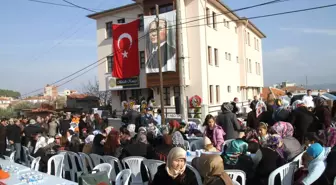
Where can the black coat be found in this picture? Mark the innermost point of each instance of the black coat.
(246, 164)
(14, 133)
(64, 126)
(138, 149)
(303, 121)
(3, 144)
(162, 177)
(228, 121)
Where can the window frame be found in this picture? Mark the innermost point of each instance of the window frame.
(216, 57)
(142, 59)
(229, 89)
(209, 55)
(141, 24)
(207, 12)
(217, 93)
(211, 94)
(108, 64)
(108, 33)
(166, 96)
(214, 20)
(121, 21)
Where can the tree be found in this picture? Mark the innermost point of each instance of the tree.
(9, 93)
(7, 113)
(92, 89)
(23, 105)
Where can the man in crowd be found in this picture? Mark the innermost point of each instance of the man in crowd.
(308, 99)
(3, 143)
(14, 138)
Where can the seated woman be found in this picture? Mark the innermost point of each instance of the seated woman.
(272, 158)
(208, 147)
(175, 171)
(235, 157)
(112, 145)
(214, 132)
(263, 133)
(291, 146)
(212, 170)
(316, 164)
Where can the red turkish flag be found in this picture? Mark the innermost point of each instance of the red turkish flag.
(126, 51)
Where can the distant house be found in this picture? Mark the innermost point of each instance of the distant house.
(5, 102)
(268, 92)
(82, 101)
(294, 89)
(37, 99)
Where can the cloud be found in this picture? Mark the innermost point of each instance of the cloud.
(329, 32)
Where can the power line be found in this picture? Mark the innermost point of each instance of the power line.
(50, 3)
(81, 7)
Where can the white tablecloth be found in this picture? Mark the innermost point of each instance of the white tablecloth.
(14, 177)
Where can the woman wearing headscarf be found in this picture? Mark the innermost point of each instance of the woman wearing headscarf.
(228, 121)
(291, 146)
(87, 149)
(272, 158)
(214, 132)
(235, 157)
(175, 171)
(316, 164)
(178, 140)
(322, 112)
(211, 168)
(329, 136)
(140, 147)
(303, 120)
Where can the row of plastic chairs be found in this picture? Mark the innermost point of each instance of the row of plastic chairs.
(198, 144)
(34, 162)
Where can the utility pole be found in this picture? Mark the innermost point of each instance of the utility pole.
(158, 29)
(180, 58)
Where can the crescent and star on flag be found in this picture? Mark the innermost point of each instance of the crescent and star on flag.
(129, 37)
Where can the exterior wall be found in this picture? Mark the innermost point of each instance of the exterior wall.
(104, 44)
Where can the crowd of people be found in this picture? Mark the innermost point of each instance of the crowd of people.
(274, 134)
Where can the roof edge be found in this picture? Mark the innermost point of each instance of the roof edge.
(99, 14)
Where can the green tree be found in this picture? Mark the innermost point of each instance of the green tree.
(7, 113)
(9, 93)
(23, 105)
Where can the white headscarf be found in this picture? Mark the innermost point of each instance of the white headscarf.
(41, 143)
(89, 139)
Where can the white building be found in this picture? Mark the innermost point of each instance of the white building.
(223, 57)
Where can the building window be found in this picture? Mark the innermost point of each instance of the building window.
(136, 93)
(123, 96)
(209, 55)
(237, 59)
(228, 24)
(108, 29)
(225, 22)
(120, 21)
(142, 59)
(229, 56)
(250, 66)
(163, 8)
(226, 56)
(217, 94)
(245, 36)
(177, 91)
(248, 38)
(166, 95)
(247, 67)
(256, 67)
(216, 56)
(257, 45)
(109, 64)
(214, 20)
(208, 16)
(238, 89)
(229, 89)
(141, 24)
(236, 29)
(210, 94)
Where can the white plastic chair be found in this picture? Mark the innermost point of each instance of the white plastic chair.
(234, 174)
(112, 160)
(152, 166)
(197, 145)
(72, 157)
(86, 161)
(104, 167)
(286, 173)
(134, 164)
(12, 156)
(227, 142)
(123, 177)
(58, 162)
(35, 164)
(335, 181)
(198, 176)
(97, 159)
(27, 157)
(299, 159)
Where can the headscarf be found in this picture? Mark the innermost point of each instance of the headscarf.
(329, 135)
(227, 107)
(131, 129)
(260, 108)
(252, 135)
(174, 125)
(274, 141)
(108, 130)
(41, 143)
(234, 150)
(281, 114)
(141, 138)
(284, 129)
(89, 139)
(315, 150)
(174, 154)
(178, 139)
(96, 132)
(212, 165)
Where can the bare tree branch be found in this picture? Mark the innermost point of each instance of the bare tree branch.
(92, 89)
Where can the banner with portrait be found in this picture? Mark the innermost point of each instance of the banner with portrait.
(167, 36)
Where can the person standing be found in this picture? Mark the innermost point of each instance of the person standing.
(228, 121)
(235, 109)
(308, 99)
(65, 124)
(53, 127)
(14, 138)
(3, 143)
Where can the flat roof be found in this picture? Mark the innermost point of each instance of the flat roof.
(113, 10)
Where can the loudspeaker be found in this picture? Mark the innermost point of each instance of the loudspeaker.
(177, 105)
